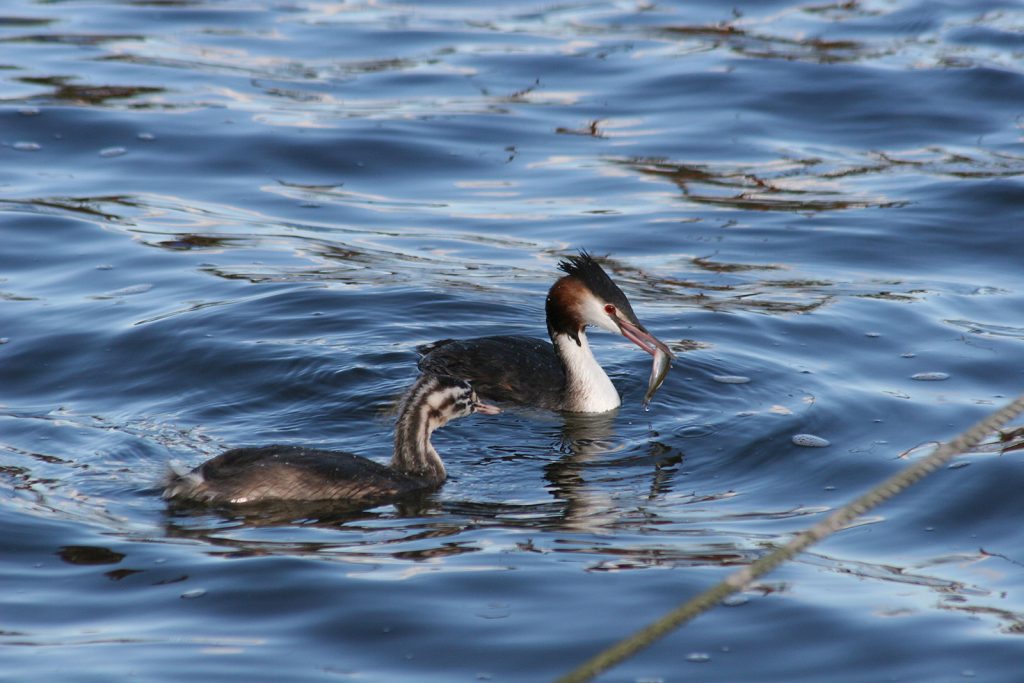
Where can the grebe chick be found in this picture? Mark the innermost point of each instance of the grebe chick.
(295, 473)
(562, 375)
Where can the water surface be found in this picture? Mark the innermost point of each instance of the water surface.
(230, 223)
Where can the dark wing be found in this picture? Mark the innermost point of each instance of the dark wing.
(514, 369)
(296, 473)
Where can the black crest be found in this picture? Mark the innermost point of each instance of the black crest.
(588, 271)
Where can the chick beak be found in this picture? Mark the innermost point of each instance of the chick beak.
(485, 408)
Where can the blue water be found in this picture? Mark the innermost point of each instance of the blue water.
(230, 223)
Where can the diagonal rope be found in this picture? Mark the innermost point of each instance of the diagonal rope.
(837, 520)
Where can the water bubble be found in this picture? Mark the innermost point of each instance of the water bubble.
(146, 136)
(27, 146)
(699, 657)
(930, 376)
(194, 593)
(5, 340)
(735, 600)
(872, 335)
(730, 379)
(113, 151)
(810, 441)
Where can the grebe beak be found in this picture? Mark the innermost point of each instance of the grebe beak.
(485, 408)
(642, 338)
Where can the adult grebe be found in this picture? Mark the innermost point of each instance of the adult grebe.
(563, 375)
(294, 473)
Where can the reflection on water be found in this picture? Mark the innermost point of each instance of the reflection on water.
(779, 186)
(231, 223)
(89, 555)
(77, 94)
(750, 44)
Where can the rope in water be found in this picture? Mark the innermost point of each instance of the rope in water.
(837, 520)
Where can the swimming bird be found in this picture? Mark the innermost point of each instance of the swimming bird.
(563, 374)
(296, 473)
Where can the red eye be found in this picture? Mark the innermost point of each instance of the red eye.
(609, 309)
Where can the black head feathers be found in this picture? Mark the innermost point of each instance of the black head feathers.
(588, 271)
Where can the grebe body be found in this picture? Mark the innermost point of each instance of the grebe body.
(563, 374)
(294, 473)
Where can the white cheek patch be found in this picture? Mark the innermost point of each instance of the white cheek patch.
(593, 313)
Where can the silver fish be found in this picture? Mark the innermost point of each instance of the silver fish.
(662, 362)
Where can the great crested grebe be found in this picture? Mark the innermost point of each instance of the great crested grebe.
(294, 473)
(563, 375)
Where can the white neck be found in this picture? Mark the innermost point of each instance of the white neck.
(587, 387)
